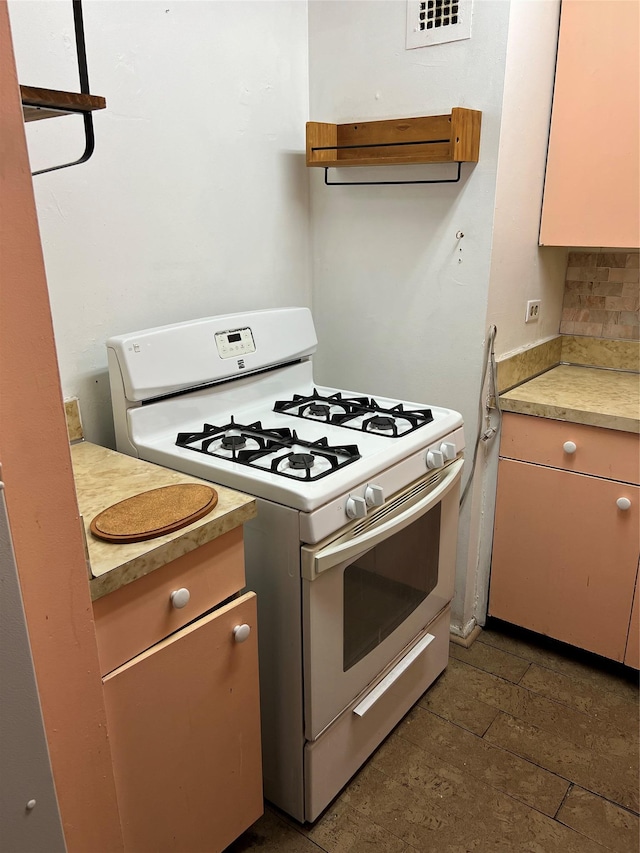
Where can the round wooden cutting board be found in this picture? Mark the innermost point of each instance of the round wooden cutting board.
(154, 513)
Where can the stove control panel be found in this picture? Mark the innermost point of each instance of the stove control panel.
(235, 343)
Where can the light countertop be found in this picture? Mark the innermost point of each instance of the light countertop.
(104, 477)
(583, 395)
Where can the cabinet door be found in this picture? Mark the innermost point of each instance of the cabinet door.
(184, 728)
(591, 193)
(564, 556)
(632, 654)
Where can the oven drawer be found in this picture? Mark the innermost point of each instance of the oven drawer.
(332, 759)
(137, 615)
(583, 449)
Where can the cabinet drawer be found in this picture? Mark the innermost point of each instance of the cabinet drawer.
(606, 453)
(137, 615)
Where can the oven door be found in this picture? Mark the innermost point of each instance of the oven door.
(369, 591)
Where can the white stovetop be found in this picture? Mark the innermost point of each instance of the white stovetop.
(154, 427)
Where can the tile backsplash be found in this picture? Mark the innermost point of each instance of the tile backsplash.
(602, 295)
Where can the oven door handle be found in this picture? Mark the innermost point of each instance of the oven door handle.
(334, 555)
(391, 677)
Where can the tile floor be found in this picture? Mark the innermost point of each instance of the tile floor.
(519, 746)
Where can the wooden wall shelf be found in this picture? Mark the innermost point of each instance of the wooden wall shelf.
(451, 138)
(48, 103)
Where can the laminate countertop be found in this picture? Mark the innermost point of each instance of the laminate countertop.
(104, 477)
(582, 395)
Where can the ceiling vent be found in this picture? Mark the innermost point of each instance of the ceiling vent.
(437, 21)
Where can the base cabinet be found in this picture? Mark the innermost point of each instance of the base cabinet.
(184, 728)
(181, 692)
(565, 553)
(632, 655)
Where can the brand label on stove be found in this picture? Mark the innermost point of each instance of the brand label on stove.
(241, 363)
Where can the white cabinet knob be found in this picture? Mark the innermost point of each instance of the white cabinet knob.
(569, 447)
(356, 506)
(241, 632)
(373, 495)
(435, 459)
(180, 597)
(623, 503)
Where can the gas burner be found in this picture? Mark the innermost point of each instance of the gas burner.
(315, 407)
(379, 422)
(278, 450)
(233, 442)
(300, 460)
(319, 410)
(354, 412)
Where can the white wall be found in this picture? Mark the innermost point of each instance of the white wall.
(405, 304)
(196, 199)
(402, 300)
(520, 269)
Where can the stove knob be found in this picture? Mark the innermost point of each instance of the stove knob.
(448, 450)
(356, 506)
(373, 495)
(435, 459)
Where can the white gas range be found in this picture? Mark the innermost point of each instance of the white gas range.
(353, 550)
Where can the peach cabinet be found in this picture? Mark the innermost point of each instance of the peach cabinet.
(592, 186)
(632, 655)
(566, 541)
(183, 712)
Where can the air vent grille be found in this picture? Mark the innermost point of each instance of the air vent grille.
(437, 21)
(438, 13)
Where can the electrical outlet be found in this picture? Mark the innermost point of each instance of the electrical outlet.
(533, 311)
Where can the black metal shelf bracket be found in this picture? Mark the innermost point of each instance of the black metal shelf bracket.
(389, 183)
(83, 73)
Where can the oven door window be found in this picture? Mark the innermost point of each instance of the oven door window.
(387, 583)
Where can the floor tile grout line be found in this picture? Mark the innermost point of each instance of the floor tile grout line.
(495, 745)
(482, 639)
(292, 824)
(566, 794)
(562, 705)
(481, 779)
(523, 674)
(605, 692)
(459, 725)
(553, 818)
(300, 829)
(489, 671)
(584, 834)
(600, 797)
(554, 772)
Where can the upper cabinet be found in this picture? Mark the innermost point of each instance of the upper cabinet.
(592, 185)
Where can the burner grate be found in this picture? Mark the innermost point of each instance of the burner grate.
(364, 414)
(280, 451)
